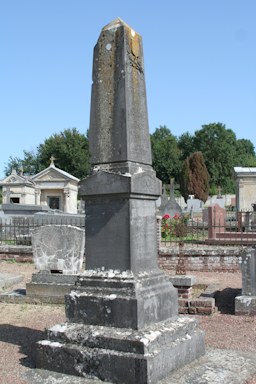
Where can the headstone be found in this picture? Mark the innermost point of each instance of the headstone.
(58, 254)
(170, 207)
(58, 248)
(122, 319)
(216, 221)
(194, 205)
(246, 303)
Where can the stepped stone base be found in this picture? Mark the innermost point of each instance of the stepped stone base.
(245, 305)
(121, 355)
(50, 285)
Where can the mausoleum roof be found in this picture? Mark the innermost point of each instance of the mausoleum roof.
(57, 170)
(245, 170)
(15, 178)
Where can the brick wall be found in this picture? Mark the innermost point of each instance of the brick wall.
(221, 259)
(18, 253)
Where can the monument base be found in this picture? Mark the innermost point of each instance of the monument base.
(121, 355)
(50, 285)
(245, 305)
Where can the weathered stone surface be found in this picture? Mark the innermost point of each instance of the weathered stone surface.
(248, 267)
(58, 248)
(121, 355)
(122, 316)
(9, 279)
(245, 305)
(141, 184)
(119, 121)
(183, 280)
(44, 285)
(121, 299)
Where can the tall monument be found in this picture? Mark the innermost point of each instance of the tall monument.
(122, 317)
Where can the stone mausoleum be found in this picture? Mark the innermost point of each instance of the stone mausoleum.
(245, 188)
(51, 187)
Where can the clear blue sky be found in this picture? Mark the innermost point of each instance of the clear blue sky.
(200, 64)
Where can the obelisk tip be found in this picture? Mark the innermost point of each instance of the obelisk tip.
(116, 23)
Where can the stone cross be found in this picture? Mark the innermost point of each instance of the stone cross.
(219, 192)
(52, 158)
(172, 186)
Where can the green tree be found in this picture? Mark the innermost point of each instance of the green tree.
(218, 146)
(165, 154)
(70, 149)
(29, 165)
(245, 154)
(186, 145)
(194, 178)
(13, 163)
(184, 179)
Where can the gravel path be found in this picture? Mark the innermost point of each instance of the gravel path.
(21, 325)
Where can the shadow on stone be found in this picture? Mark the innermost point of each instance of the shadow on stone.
(225, 300)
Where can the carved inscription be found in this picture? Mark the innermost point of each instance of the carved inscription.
(135, 61)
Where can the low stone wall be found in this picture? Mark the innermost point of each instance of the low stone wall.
(16, 252)
(219, 259)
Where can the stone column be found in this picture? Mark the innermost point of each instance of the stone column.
(37, 196)
(122, 319)
(7, 195)
(66, 199)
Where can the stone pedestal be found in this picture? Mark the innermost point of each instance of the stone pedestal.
(121, 355)
(45, 286)
(246, 303)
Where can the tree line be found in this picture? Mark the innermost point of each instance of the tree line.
(199, 162)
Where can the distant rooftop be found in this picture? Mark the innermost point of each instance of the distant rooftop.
(245, 169)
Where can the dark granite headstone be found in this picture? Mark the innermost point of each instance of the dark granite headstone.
(122, 318)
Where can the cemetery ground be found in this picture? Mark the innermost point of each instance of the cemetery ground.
(21, 325)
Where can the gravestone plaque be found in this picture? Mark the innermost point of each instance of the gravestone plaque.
(122, 318)
(58, 248)
(58, 254)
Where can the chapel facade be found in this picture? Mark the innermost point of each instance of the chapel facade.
(51, 187)
(245, 188)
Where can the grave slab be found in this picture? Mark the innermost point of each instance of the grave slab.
(9, 279)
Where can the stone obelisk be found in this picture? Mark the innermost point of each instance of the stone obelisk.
(122, 318)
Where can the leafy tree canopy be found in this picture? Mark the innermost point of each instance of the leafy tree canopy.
(218, 146)
(70, 149)
(165, 154)
(194, 177)
(186, 145)
(245, 155)
(220, 149)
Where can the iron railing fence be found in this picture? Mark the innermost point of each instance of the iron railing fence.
(17, 230)
(235, 228)
(238, 228)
